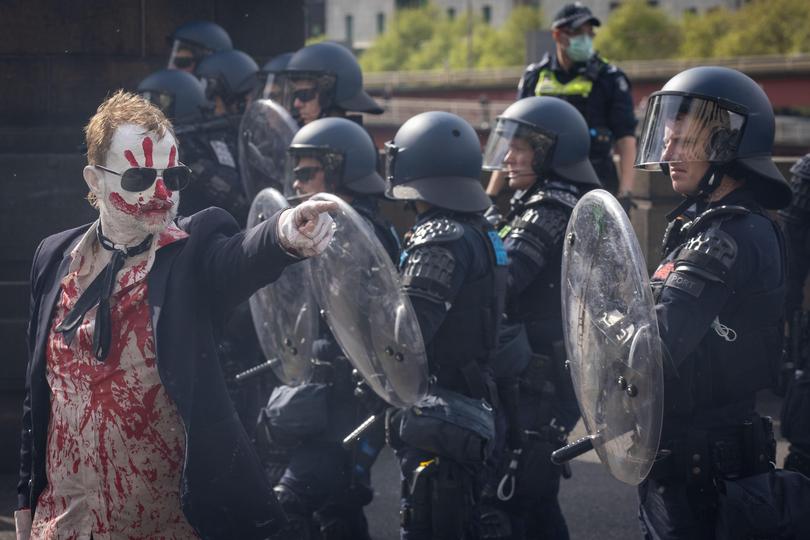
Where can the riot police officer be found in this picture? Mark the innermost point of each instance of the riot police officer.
(178, 94)
(542, 144)
(453, 270)
(719, 292)
(193, 41)
(230, 80)
(325, 485)
(322, 80)
(599, 90)
(216, 182)
(795, 415)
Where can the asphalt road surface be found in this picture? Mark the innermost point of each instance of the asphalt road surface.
(594, 503)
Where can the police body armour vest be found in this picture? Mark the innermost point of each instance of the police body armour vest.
(733, 361)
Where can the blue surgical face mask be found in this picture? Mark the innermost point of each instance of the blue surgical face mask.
(580, 48)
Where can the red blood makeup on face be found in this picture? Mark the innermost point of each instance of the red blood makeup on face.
(161, 191)
(148, 210)
(147, 151)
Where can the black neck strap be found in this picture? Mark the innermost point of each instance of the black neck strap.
(99, 292)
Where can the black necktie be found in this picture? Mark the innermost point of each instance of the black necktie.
(99, 291)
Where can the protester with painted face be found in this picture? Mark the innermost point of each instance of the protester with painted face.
(542, 145)
(193, 41)
(324, 484)
(599, 90)
(127, 426)
(453, 270)
(322, 80)
(720, 293)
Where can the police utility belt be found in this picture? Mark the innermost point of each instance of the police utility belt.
(448, 424)
(703, 455)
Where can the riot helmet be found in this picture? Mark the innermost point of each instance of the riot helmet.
(329, 73)
(229, 76)
(718, 116)
(436, 157)
(179, 95)
(269, 85)
(556, 132)
(342, 150)
(193, 41)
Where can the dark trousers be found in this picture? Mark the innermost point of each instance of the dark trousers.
(672, 511)
(440, 508)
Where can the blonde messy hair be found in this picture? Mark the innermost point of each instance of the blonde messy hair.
(119, 109)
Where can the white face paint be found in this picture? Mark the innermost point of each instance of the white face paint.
(126, 216)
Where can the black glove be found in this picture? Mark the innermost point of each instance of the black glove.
(626, 201)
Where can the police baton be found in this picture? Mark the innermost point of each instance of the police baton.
(255, 370)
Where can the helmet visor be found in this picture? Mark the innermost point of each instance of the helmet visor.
(162, 100)
(681, 128)
(185, 55)
(510, 137)
(273, 88)
(301, 92)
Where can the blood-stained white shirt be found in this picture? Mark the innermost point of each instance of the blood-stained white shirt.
(116, 442)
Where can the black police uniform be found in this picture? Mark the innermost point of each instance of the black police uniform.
(533, 237)
(719, 296)
(213, 157)
(453, 270)
(795, 425)
(322, 478)
(601, 93)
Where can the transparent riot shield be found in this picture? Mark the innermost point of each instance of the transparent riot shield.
(265, 133)
(612, 341)
(284, 312)
(358, 290)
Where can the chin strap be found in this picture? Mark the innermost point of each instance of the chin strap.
(708, 183)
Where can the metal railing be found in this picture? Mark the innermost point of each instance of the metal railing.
(635, 69)
(480, 114)
(790, 130)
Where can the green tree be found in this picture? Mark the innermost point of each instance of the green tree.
(409, 30)
(425, 38)
(767, 27)
(702, 32)
(507, 46)
(638, 31)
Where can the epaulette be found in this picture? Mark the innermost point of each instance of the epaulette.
(435, 231)
(553, 196)
(719, 212)
(802, 168)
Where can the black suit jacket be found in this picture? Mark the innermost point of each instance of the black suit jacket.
(192, 285)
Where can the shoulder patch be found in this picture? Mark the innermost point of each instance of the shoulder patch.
(436, 231)
(223, 153)
(622, 84)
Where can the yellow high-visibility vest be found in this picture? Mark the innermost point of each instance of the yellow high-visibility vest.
(548, 85)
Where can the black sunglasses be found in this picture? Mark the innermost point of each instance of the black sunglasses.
(139, 179)
(305, 94)
(305, 174)
(182, 62)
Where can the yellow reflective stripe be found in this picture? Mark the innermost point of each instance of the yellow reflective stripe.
(548, 85)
